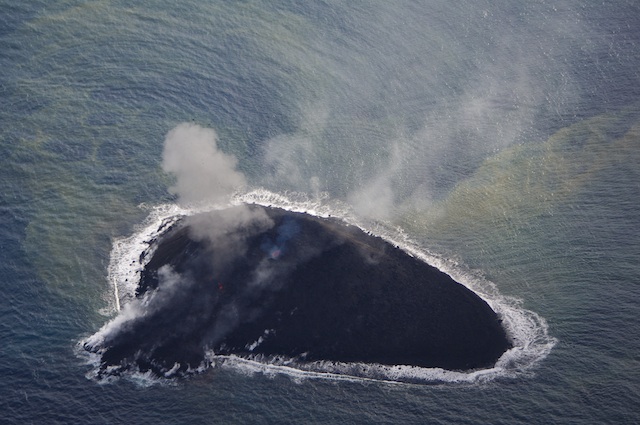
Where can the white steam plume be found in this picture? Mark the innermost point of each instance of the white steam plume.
(204, 174)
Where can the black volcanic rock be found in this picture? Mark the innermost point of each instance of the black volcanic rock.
(299, 286)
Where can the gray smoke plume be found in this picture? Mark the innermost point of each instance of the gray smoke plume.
(206, 176)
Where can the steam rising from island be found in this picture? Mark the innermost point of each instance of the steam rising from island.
(260, 282)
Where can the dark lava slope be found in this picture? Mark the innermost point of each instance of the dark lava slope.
(300, 286)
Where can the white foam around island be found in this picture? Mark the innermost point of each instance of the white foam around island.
(528, 331)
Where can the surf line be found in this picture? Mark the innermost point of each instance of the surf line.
(117, 294)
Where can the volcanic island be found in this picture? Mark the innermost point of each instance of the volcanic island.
(295, 285)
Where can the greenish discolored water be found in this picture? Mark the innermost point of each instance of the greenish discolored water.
(502, 139)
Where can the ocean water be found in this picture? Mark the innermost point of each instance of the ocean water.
(501, 140)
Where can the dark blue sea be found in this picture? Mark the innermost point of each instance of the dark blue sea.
(499, 140)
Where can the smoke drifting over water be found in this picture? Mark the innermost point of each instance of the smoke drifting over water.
(398, 125)
(253, 281)
(204, 174)
(228, 287)
(366, 134)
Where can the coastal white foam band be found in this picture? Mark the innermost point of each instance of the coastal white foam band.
(528, 331)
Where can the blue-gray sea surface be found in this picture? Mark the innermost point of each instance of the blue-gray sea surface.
(501, 136)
